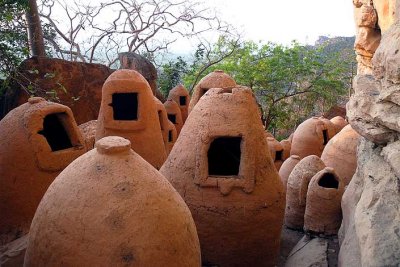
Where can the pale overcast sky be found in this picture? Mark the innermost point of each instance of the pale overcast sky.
(282, 21)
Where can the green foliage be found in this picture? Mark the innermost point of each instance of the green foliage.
(290, 82)
(171, 75)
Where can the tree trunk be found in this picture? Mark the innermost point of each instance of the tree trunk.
(35, 33)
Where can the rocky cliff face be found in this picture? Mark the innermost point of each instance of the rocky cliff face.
(370, 232)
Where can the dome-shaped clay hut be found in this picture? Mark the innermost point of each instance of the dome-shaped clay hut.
(311, 136)
(172, 136)
(168, 132)
(287, 145)
(222, 168)
(276, 151)
(215, 79)
(112, 208)
(268, 134)
(128, 110)
(296, 190)
(88, 131)
(174, 114)
(287, 168)
(341, 153)
(339, 122)
(323, 212)
(37, 141)
(181, 96)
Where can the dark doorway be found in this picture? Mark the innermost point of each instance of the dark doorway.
(224, 156)
(328, 180)
(125, 106)
(203, 91)
(182, 100)
(172, 118)
(326, 138)
(53, 130)
(278, 155)
(170, 139)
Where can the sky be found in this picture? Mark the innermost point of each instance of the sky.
(282, 21)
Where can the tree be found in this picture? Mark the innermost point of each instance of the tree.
(97, 33)
(35, 32)
(171, 74)
(290, 82)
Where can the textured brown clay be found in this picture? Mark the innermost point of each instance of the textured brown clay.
(287, 168)
(311, 136)
(222, 168)
(341, 153)
(128, 110)
(112, 208)
(276, 151)
(181, 96)
(37, 140)
(287, 145)
(297, 187)
(174, 114)
(88, 131)
(323, 213)
(216, 79)
(167, 128)
(339, 122)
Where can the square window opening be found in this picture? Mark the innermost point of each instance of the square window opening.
(55, 133)
(125, 106)
(224, 156)
(326, 138)
(182, 100)
(172, 118)
(278, 155)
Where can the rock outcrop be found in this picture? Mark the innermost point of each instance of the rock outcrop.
(370, 232)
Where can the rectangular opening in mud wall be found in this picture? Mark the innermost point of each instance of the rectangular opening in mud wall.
(203, 91)
(328, 180)
(55, 133)
(182, 100)
(278, 155)
(172, 118)
(224, 156)
(170, 139)
(326, 138)
(125, 106)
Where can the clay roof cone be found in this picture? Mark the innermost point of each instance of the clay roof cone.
(296, 190)
(174, 114)
(112, 208)
(181, 96)
(311, 136)
(221, 165)
(37, 141)
(215, 79)
(128, 110)
(341, 153)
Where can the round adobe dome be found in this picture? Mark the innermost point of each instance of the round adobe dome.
(296, 190)
(37, 141)
(287, 145)
(323, 213)
(215, 79)
(287, 168)
(174, 114)
(128, 110)
(276, 151)
(181, 96)
(311, 136)
(112, 208)
(341, 153)
(221, 166)
(339, 122)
